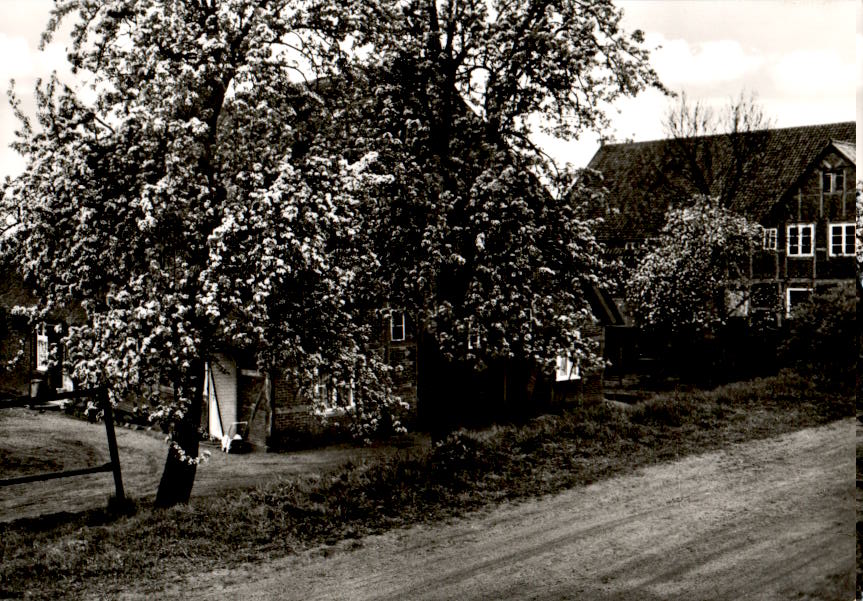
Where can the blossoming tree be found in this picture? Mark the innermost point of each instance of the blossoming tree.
(174, 233)
(681, 285)
(478, 232)
(203, 198)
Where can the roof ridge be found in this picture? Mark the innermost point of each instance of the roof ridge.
(754, 131)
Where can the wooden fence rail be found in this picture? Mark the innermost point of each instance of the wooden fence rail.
(101, 396)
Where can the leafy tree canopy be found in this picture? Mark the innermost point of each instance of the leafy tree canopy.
(205, 200)
(176, 236)
(681, 285)
(470, 226)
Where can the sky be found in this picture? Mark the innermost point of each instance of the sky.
(801, 58)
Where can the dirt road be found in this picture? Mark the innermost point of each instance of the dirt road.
(770, 519)
(32, 443)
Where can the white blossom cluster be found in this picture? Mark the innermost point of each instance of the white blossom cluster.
(268, 176)
(680, 284)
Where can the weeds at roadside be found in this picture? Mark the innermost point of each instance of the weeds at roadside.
(71, 555)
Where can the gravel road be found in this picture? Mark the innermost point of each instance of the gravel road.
(769, 519)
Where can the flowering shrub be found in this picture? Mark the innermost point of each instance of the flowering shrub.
(680, 285)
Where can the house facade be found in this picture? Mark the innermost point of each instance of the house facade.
(797, 183)
(26, 362)
(808, 236)
(272, 410)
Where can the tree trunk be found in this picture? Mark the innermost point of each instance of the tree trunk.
(178, 476)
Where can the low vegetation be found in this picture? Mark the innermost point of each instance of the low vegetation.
(67, 556)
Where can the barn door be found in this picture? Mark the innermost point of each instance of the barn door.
(254, 394)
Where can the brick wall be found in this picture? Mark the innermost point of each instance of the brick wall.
(291, 412)
(402, 357)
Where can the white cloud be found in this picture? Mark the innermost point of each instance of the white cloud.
(678, 62)
(17, 59)
(814, 73)
(23, 61)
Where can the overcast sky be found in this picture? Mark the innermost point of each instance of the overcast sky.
(799, 57)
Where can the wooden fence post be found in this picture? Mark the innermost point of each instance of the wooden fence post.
(108, 416)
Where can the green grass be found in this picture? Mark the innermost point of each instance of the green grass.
(66, 556)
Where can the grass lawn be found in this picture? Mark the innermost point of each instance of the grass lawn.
(50, 559)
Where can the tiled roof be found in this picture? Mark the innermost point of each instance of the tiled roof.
(848, 149)
(642, 181)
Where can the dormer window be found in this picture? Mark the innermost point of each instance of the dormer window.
(832, 182)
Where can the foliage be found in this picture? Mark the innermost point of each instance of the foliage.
(175, 235)
(680, 284)
(467, 470)
(470, 226)
(204, 200)
(822, 339)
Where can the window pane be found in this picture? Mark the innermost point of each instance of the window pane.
(849, 239)
(397, 326)
(838, 181)
(793, 243)
(825, 181)
(806, 240)
(835, 240)
(795, 297)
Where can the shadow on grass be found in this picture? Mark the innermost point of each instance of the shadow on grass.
(67, 555)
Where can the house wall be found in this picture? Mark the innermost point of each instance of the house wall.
(292, 411)
(402, 356)
(590, 386)
(15, 336)
(457, 391)
(807, 203)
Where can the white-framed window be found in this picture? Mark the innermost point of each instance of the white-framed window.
(841, 237)
(474, 338)
(769, 238)
(832, 181)
(43, 349)
(800, 241)
(398, 329)
(566, 368)
(794, 297)
(333, 398)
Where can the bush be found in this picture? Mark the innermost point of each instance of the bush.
(821, 341)
(663, 410)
